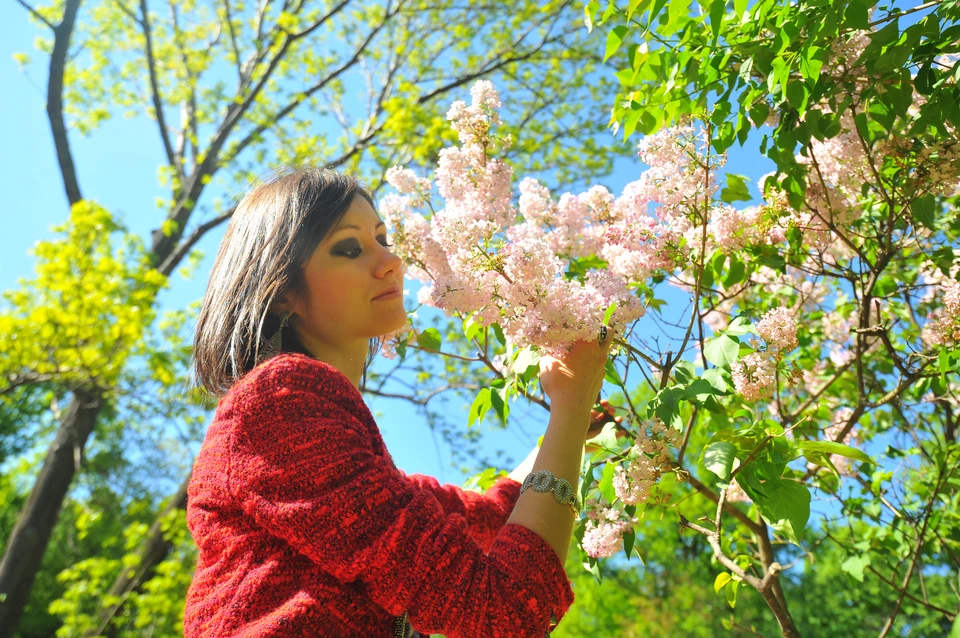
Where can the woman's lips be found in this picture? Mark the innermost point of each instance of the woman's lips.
(392, 294)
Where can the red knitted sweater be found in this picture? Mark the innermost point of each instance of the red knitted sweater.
(306, 527)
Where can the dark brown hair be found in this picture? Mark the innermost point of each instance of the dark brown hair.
(271, 235)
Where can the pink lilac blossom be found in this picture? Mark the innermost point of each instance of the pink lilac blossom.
(390, 341)
(406, 182)
(650, 457)
(755, 376)
(840, 356)
(934, 279)
(603, 535)
(476, 259)
(836, 328)
(673, 179)
(735, 493)
(733, 229)
(943, 324)
(778, 328)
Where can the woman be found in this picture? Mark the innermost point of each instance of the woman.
(305, 526)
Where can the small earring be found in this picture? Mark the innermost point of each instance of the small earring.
(272, 347)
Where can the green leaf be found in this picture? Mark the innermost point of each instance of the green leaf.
(588, 10)
(498, 400)
(472, 327)
(721, 581)
(740, 326)
(607, 438)
(667, 408)
(823, 460)
(612, 375)
(923, 209)
(614, 40)
(609, 313)
(497, 330)
(684, 372)
(606, 482)
(925, 80)
(786, 507)
(856, 16)
(736, 189)
(736, 272)
(759, 113)
(810, 64)
(655, 10)
(855, 566)
(635, 5)
(629, 537)
(592, 565)
(525, 359)
(885, 286)
(955, 632)
(718, 457)
(716, 17)
(722, 350)
(831, 447)
(479, 407)
(430, 339)
(732, 594)
(714, 377)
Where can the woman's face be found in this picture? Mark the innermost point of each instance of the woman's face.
(348, 269)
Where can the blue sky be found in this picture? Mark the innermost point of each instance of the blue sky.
(117, 167)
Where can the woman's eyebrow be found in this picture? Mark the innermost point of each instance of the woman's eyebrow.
(351, 226)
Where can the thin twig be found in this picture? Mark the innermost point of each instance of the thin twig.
(36, 15)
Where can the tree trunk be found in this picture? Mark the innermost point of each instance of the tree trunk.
(28, 542)
(152, 551)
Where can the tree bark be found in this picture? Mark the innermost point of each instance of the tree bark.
(28, 542)
(58, 64)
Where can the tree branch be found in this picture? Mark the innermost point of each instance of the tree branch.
(917, 547)
(36, 15)
(764, 585)
(58, 65)
(171, 262)
(155, 91)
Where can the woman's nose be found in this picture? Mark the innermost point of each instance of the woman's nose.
(390, 261)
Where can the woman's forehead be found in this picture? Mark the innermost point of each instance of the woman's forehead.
(360, 214)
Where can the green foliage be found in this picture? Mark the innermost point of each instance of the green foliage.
(88, 316)
(738, 64)
(86, 310)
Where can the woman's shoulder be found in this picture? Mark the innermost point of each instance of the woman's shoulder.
(289, 371)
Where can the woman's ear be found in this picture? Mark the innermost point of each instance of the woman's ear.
(282, 304)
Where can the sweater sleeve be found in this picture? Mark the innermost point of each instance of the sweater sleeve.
(303, 466)
(486, 513)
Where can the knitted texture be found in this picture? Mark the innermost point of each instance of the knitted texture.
(305, 527)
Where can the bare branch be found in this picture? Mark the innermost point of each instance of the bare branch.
(171, 262)
(58, 64)
(303, 96)
(155, 91)
(36, 15)
(319, 23)
(233, 41)
(917, 547)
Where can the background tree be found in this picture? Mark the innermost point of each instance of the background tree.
(236, 88)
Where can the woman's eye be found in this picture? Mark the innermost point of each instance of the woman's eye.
(350, 253)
